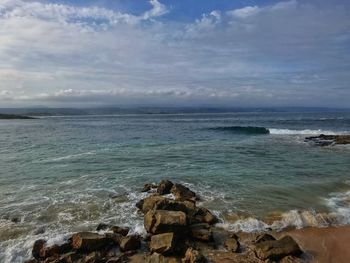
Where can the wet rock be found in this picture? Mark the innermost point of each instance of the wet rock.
(203, 215)
(325, 140)
(88, 241)
(120, 230)
(163, 221)
(33, 260)
(40, 230)
(182, 193)
(277, 249)
(148, 187)
(201, 232)
(163, 243)
(158, 258)
(102, 226)
(193, 256)
(164, 187)
(70, 257)
(232, 244)
(149, 202)
(263, 237)
(172, 205)
(129, 243)
(38, 250)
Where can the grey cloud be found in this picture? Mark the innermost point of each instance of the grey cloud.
(289, 53)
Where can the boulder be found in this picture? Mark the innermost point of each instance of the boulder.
(163, 221)
(149, 202)
(203, 215)
(120, 230)
(148, 187)
(187, 207)
(193, 256)
(129, 243)
(232, 244)
(88, 241)
(277, 249)
(263, 237)
(182, 193)
(70, 258)
(163, 243)
(38, 250)
(158, 258)
(201, 232)
(164, 187)
(102, 226)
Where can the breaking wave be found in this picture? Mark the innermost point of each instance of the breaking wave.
(243, 129)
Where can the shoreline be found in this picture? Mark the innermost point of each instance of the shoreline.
(178, 230)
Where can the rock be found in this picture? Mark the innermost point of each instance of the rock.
(325, 140)
(163, 221)
(172, 205)
(164, 187)
(149, 202)
(128, 243)
(88, 241)
(201, 232)
(277, 249)
(203, 215)
(163, 243)
(182, 193)
(193, 256)
(263, 237)
(232, 244)
(158, 258)
(120, 230)
(33, 260)
(38, 250)
(148, 187)
(102, 226)
(70, 258)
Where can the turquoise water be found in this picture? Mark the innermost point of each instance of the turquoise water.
(63, 174)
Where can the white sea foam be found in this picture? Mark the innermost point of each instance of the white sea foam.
(306, 132)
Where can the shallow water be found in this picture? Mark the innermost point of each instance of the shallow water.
(63, 174)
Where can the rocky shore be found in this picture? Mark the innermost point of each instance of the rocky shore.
(326, 140)
(178, 230)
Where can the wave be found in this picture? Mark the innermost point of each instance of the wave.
(302, 132)
(242, 129)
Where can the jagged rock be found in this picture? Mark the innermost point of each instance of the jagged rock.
(201, 232)
(38, 250)
(164, 187)
(203, 215)
(148, 187)
(114, 238)
(290, 259)
(163, 221)
(325, 140)
(102, 226)
(70, 257)
(277, 249)
(263, 237)
(193, 256)
(182, 193)
(128, 243)
(163, 243)
(120, 230)
(88, 241)
(232, 244)
(187, 207)
(158, 258)
(149, 202)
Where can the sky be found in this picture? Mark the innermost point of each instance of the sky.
(252, 53)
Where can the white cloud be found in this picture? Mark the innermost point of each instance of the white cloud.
(245, 11)
(63, 54)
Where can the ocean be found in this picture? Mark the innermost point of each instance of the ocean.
(59, 175)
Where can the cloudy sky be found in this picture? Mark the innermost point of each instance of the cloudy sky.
(174, 53)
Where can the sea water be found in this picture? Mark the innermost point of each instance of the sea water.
(64, 174)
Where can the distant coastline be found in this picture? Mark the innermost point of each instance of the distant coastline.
(14, 117)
